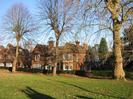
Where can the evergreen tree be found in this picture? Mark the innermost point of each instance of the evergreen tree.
(103, 49)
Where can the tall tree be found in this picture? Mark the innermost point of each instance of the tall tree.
(111, 15)
(103, 49)
(18, 21)
(58, 16)
(120, 11)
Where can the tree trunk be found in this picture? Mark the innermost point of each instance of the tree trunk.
(118, 71)
(114, 7)
(4, 64)
(5, 61)
(15, 61)
(56, 57)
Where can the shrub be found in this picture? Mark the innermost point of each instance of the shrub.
(106, 73)
(66, 72)
(33, 70)
(129, 75)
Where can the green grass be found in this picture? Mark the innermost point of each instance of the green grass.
(28, 86)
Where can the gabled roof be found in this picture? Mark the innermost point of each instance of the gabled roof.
(42, 49)
(72, 48)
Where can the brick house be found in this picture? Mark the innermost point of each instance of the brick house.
(43, 55)
(2, 56)
(70, 56)
(7, 56)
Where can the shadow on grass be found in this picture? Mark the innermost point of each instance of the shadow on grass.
(32, 94)
(84, 97)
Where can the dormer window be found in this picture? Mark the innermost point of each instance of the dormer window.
(20, 50)
(37, 57)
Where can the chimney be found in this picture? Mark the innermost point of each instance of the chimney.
(85, 46)
(51, 42)
(77, 43)
(9, 46)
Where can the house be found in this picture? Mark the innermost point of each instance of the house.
(7, 56)
(2, 56)
(70, 56)
(43, 55)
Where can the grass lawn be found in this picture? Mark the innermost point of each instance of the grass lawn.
(37, 86)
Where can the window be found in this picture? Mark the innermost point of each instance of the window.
(67, 56)
(70, 68)
(37, 57)
(66, 67)
(77, 58)
(71, 56)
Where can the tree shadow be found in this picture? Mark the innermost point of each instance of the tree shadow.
(32, 94)
(84, 97)
(98, 93)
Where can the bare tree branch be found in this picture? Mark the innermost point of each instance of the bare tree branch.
(18, 21)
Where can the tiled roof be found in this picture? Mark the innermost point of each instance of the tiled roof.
(72, 48)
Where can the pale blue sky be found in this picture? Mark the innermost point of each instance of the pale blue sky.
(32, 7)
(6, 4)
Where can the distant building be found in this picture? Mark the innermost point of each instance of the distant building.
(42, 55)
(7, 56)
(70, 56)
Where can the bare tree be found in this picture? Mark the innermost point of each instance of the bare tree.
(111, 15)
(120, 11)
(18, 21)
(58, 16)
(114, 14)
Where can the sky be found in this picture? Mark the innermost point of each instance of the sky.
(5, 5)
(32, 6)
